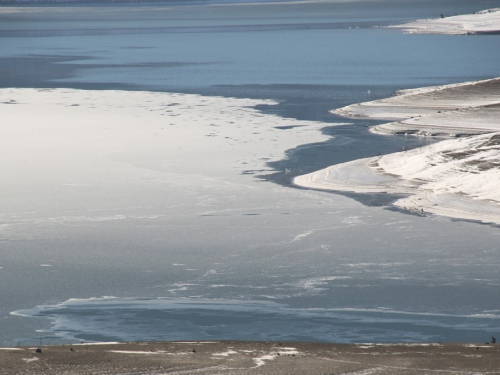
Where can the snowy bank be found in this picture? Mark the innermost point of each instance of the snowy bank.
(483, 22)
(457, 177)
(463, 108)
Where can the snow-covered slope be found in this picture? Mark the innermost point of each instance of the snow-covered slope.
(457, 109)
(457, 177)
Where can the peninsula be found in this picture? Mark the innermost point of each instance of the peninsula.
(458, 177)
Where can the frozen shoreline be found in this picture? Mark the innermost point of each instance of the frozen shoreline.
(455, 178)
(482, 22)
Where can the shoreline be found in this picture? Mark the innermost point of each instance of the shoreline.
(418, 109)
(243, 357)
(453, 178)
(484, 22)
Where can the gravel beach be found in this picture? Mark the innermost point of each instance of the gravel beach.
(228, 357)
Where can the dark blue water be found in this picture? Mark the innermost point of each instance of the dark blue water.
(307, 266)
(198, 319)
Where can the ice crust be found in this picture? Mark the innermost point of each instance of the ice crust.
(93, 150)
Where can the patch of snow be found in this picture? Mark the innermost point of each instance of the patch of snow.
(194, 342)
(225, 354)
(28, 360)
(281, 351)
(316, 283)
(421, 344)
(376, 370)
(137, 352)
(100, 343)
(261, 361)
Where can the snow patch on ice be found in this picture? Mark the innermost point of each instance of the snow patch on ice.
(300, 236)
(316, 283)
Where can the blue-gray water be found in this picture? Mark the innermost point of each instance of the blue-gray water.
(301, 265)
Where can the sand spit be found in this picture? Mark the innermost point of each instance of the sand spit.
(483, 22)
(456, 178)
(255, 358)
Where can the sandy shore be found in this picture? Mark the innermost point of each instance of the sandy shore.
(482, 22)
(253, 358)
(456, 178)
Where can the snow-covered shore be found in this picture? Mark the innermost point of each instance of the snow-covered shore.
(457, 177)
(482, 22)
(465, 109)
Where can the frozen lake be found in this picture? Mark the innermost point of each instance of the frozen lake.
(192, 231)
